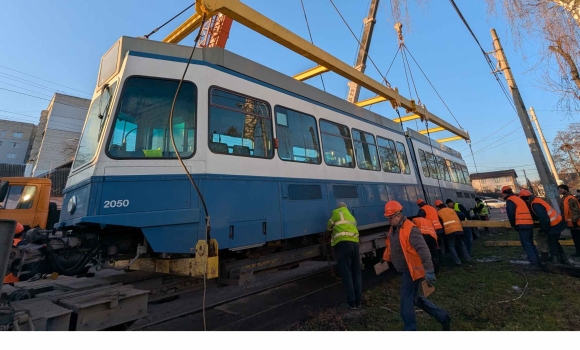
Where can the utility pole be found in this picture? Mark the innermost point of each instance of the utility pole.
(365, 43)
(546, 177)
(545, 144)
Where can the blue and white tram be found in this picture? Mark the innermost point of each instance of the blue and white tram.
(272, 156)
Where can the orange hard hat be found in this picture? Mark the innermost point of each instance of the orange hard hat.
(419, 201)
(392, 207)
(525, 193)
(438, 202)
(19, 228)
(506, 188)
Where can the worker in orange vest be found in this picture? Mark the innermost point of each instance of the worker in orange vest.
(428, 232)
(453, 232)
(409, 253)
(570, 209)
(430, 213)
(551, 225)
(10, 278)
(521, 220)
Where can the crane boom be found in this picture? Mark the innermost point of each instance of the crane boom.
(215, 32)
(369, 23)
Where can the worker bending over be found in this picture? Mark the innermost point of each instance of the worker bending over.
(481, 212)
(551, 225)
(409, 253)
(428, 232)
(570, 209)
(463, 215)
(521, 220)
(430, 213)
(344, 239)
(453, 232)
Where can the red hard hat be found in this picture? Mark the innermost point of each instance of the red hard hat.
(505, 188)
(19, 228)
(525, 193)
(392, 207)
(419, 201)
(438, 203)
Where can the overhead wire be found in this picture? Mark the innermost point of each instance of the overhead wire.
(41, 98)
(360, 45)
(48, 81)
(311, 40)
(164, 24)
(200, 195)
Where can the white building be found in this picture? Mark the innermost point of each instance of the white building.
(58, 133)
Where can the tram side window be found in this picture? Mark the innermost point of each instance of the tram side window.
(459, 173)
(402, 155)
(297, 135)
(433, 168)
(365, 150)
(239, 125)
(141, 127)
(452, 171)
(424, 163)
(336, 144)
(466, 175)
(443, 169)
(388, 155)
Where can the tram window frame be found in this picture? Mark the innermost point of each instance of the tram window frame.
(443, 164)
(356, 152)
(393, 151)
(118, 101)
(209, 134)
(302, 114)
(424, 163)
(402, 156)
(433, 167)
(334, 135)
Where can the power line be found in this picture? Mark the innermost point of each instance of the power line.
(41, 98)
(48, 81)
(360, 45)
(311, 40)
(25, 89)
(26, 82)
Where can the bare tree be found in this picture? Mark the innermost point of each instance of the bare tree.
(554, 25)
(566, 153)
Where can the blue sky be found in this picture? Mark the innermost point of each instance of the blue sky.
(62, 42)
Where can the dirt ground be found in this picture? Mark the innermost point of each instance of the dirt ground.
(496, 291)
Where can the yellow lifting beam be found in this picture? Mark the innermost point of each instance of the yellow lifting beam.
(406, 118)
(254, 20)
(186, 28)
(449, 139)
(432, 130)
(312, 72)
(370, 101)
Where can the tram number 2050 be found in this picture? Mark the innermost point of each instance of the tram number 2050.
(116, 204)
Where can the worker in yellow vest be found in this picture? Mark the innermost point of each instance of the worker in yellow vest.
(344, 239)
(409, 253)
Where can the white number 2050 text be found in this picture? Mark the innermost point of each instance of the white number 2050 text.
(116, 204)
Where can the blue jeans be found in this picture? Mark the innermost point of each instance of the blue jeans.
(410, 298)
(456, 243)
(468, 239)
(527, 240)
(349, 267)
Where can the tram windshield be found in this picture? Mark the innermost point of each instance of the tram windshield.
(96, 119)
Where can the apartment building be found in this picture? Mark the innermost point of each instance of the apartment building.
(16, 140)
(493, 181)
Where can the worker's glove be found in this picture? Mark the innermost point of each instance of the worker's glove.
(430, 278)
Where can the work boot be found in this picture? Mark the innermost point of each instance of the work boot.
(446, 325)
(563, 259)
(545, 257)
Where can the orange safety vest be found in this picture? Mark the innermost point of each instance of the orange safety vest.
(431, 214)
(425, 226)
(10, 278)
(555, 218)
(523, 215)
(411, 256)
(451, 221)
(567, 212)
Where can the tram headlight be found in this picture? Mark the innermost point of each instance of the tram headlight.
(72, 205)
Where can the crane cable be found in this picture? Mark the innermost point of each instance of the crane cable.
(164, 24)
(311, 40)
(171, 133)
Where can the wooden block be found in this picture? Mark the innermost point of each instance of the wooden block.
(45, 315)
(493, 224)
(517, 243)
(381, 267)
